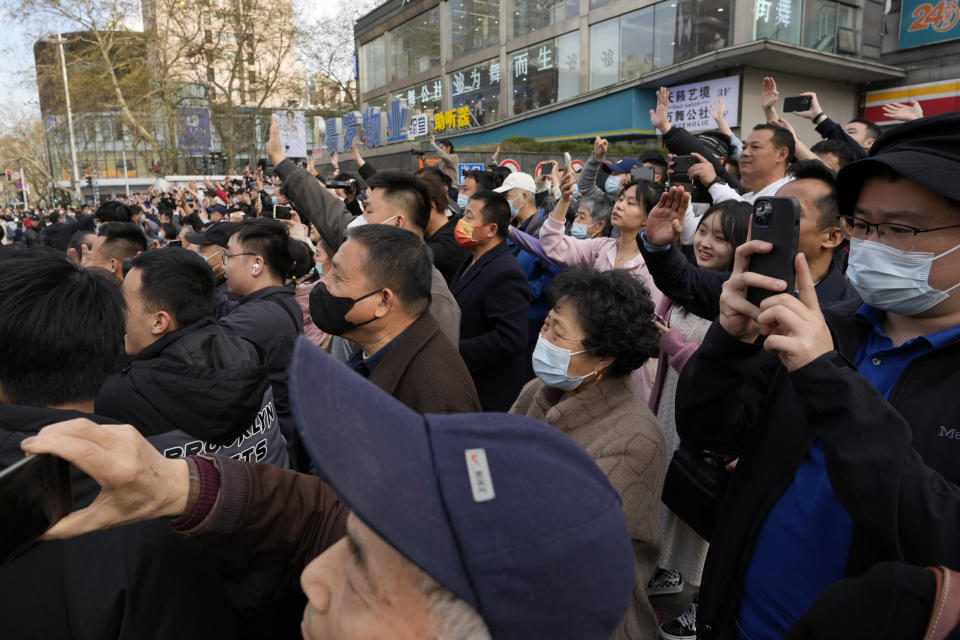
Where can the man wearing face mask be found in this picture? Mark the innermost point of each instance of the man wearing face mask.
(848, 445)
(376, 292)
(615, 175)
(494, 298)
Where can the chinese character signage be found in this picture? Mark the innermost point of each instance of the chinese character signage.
(477, 88)
(425, 96)
(778, 20)
(689, 105)
(927, 22)
(451, 120)
(419, 126)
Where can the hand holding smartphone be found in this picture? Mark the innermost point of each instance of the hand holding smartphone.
(775, 220)
(34, 494)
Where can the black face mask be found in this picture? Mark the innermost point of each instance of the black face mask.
(327, 310)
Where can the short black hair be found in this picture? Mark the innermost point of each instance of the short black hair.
(80, 238)
(734, 222)
(303, 260)
(397, 259)
(113, 211)
(615, 312)
(781, 137)
(435, 188)
(122, 240)
(63, 333)
(432, 170)
(447, 142)
(177, 281)
(169, 230)
(495, 210)
(268, 238)
(486, 180)
(873, 131)
(407, 192)
(843, 151)
(826, 204)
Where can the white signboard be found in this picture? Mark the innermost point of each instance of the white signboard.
(419, 126)
(690, 103)
(293, 133)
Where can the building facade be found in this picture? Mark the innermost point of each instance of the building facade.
(573, 69)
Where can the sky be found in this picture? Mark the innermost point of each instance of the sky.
(16, 50)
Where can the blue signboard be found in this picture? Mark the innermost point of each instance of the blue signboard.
(928, 22)
(469, 166)
(193, 131)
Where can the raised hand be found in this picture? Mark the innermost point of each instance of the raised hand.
(665, 221)
(738, 316)
(659, 117)
(702, 171)
(910, 110)
(600, 148)
(769, 97)
(274, 147)
(814, 109)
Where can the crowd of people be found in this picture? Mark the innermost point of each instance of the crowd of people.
(424, 405)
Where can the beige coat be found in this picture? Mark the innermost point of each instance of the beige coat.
(623, 437)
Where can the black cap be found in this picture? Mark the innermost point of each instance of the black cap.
(218, 233)
(926, 151)
(718, 144)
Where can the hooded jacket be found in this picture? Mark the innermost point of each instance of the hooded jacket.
(199, 390)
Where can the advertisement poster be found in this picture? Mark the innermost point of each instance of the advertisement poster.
(293, 133)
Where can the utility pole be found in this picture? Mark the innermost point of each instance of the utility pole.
(73, 142)
(23, 183)
(123, 155)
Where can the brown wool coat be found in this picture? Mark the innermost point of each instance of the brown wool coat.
(623, 437)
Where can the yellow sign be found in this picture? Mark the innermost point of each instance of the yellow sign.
(452, 119)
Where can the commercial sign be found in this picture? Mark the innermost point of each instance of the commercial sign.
(689, 105)
(928, 22)
(372, 128)
(451, 120)
(934, 97)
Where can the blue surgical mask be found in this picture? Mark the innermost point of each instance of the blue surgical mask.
(893, 280)
(462, 201)
(273, 199)
(551, 363)
(576, 190)
(514, 211)
(579, 230)
(612, 185)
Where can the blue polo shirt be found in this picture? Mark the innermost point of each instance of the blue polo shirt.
(804, 542)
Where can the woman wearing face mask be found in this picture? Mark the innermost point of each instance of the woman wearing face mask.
(604, 253)
(719, 232)
(592, 219)
(599, 329)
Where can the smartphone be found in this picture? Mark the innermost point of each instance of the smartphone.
(682, 164)
(174, 243)
(797, 103)
(568, 162)
(281, 212)
(642, 173)
(34, 494)
(775, 219)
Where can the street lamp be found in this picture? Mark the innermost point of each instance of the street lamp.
(66, 93)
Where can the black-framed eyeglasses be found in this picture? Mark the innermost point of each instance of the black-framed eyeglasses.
(227, 256)
(896, 235)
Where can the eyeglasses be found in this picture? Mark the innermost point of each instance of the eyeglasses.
(898, 236)
(227, 256)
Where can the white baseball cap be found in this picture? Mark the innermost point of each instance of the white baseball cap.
(518, 180)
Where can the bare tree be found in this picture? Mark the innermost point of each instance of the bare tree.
(22, 147)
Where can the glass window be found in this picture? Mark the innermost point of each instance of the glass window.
(712, 27)
(604, 53)
(778, 20)
(594, 4)
(636, 43)
(478, 88)
(820, 25)
(544, 73)
(530, 15)
(379, 101)
(415, 45)
(426, 95)
(664, 21)
(474, 25)
(373, 64)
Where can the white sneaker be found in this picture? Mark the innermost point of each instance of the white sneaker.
(665, 581)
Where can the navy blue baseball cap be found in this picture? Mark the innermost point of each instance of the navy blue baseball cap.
(217, 233)
(623, 166)
(508, 513)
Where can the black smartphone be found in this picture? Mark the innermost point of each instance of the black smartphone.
(797, 103)
(642, 172)
(682, 164)
(776, 220)
(174, 243)
(34, 494)
(281, 212)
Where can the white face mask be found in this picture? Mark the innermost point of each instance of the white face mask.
(612, 185)
(359, 221)
(551, 362)
(893, 280)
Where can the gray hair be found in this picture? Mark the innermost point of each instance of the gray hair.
(453, 618)
(600, 209)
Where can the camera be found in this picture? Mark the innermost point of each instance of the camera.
(341, 184)
(417, 152)
(762, 213)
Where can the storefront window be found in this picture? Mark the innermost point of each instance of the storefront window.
(415, 45)
(664, 27)
(544, 73)
(778, 20)
(636, 43)
(373, 64)
(474, 25)
(605, 53)
(478, 89)
(530, 15)
(426, 95)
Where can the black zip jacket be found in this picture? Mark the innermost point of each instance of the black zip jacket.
(198, 390)
(133, 582)
(894, 466)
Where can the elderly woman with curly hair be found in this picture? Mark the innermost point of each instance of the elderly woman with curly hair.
(599, 329)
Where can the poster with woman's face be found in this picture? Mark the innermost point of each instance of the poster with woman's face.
(293, 133)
